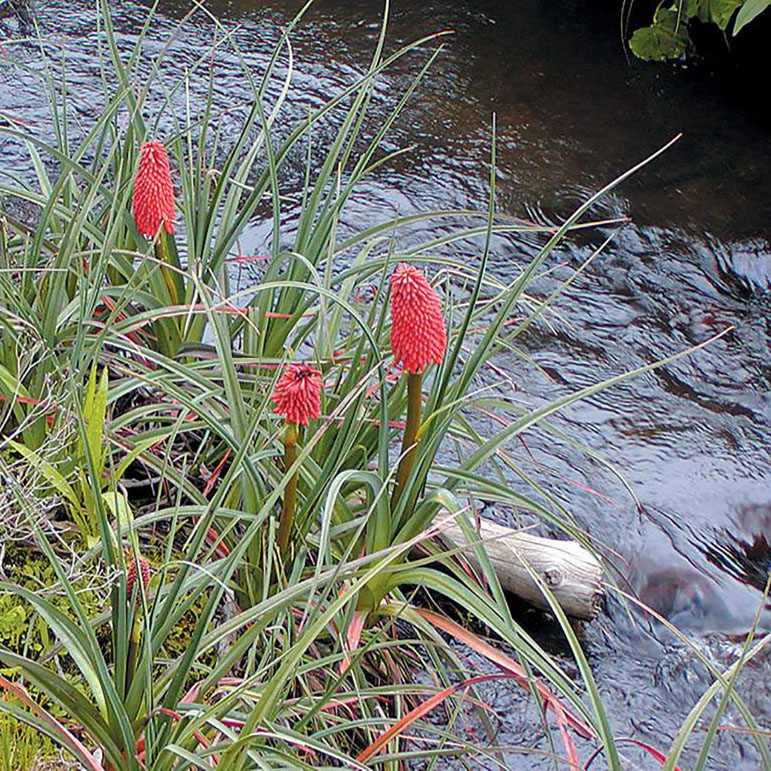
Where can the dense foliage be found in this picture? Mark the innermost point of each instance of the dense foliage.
(667, 37)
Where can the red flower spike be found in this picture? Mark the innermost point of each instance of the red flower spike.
(153, 203)
(131, 573)
(418, 336)
(298, 394)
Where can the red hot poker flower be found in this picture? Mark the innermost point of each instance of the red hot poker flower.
(418, 337)
(131, 573)
(153, 203)
(297, 394)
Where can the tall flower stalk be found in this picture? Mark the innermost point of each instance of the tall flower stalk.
(297, 397)
(154, 210)
(418, 339)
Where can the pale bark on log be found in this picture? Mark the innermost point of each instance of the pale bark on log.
(572, 573)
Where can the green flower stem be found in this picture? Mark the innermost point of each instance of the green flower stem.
(290, 491)
(409, 441)
(167, 331)
(166, 254)
(133, 649)
(371, 594)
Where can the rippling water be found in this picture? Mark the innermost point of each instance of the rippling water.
(692, 439)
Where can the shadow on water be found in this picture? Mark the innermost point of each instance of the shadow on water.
(692, 438)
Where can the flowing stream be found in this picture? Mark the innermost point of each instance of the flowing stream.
(692, 438)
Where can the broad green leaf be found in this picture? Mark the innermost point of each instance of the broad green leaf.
(88, 407)
(667, 38)
(721, 11)
(119, 507)
(750, 10)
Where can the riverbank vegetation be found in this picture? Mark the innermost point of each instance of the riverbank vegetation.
(222, 471)
(668, 36)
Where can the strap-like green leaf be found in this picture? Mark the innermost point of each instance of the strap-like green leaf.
(69, 698)
(73, 640)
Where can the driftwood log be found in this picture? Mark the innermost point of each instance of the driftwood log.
(572, 573)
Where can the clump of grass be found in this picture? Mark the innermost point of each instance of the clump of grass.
(22, 748)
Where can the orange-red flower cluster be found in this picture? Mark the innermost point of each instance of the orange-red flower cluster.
(297, 394)
(418, 336)
(153, 203)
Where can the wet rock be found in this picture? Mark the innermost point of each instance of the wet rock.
(683, 596)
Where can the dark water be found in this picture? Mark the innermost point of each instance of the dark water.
(692, 439)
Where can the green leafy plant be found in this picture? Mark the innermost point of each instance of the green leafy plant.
(668, 37)
(82, 480)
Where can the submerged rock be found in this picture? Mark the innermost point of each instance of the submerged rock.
(684, 596)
